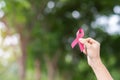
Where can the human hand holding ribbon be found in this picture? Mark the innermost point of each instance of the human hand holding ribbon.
(79, 34)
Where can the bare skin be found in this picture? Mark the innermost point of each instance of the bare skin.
(92, 51)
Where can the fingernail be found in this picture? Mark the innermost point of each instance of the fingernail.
(81, 40)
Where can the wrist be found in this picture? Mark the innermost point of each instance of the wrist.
(94, 63)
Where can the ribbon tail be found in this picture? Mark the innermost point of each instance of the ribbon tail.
(81, 46)
(74, 43)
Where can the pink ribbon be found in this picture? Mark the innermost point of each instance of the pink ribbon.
(79, 34)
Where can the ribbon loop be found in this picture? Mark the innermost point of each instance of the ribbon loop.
(79, 34)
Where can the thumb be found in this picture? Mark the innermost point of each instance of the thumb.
(82, 40)
(85, 42)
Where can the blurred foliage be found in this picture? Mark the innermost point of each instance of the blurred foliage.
(50, 31)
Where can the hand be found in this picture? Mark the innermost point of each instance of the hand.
(92, 50)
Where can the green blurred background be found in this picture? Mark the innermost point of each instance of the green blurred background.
(35, 38)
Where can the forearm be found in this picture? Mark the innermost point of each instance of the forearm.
(100, 70)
